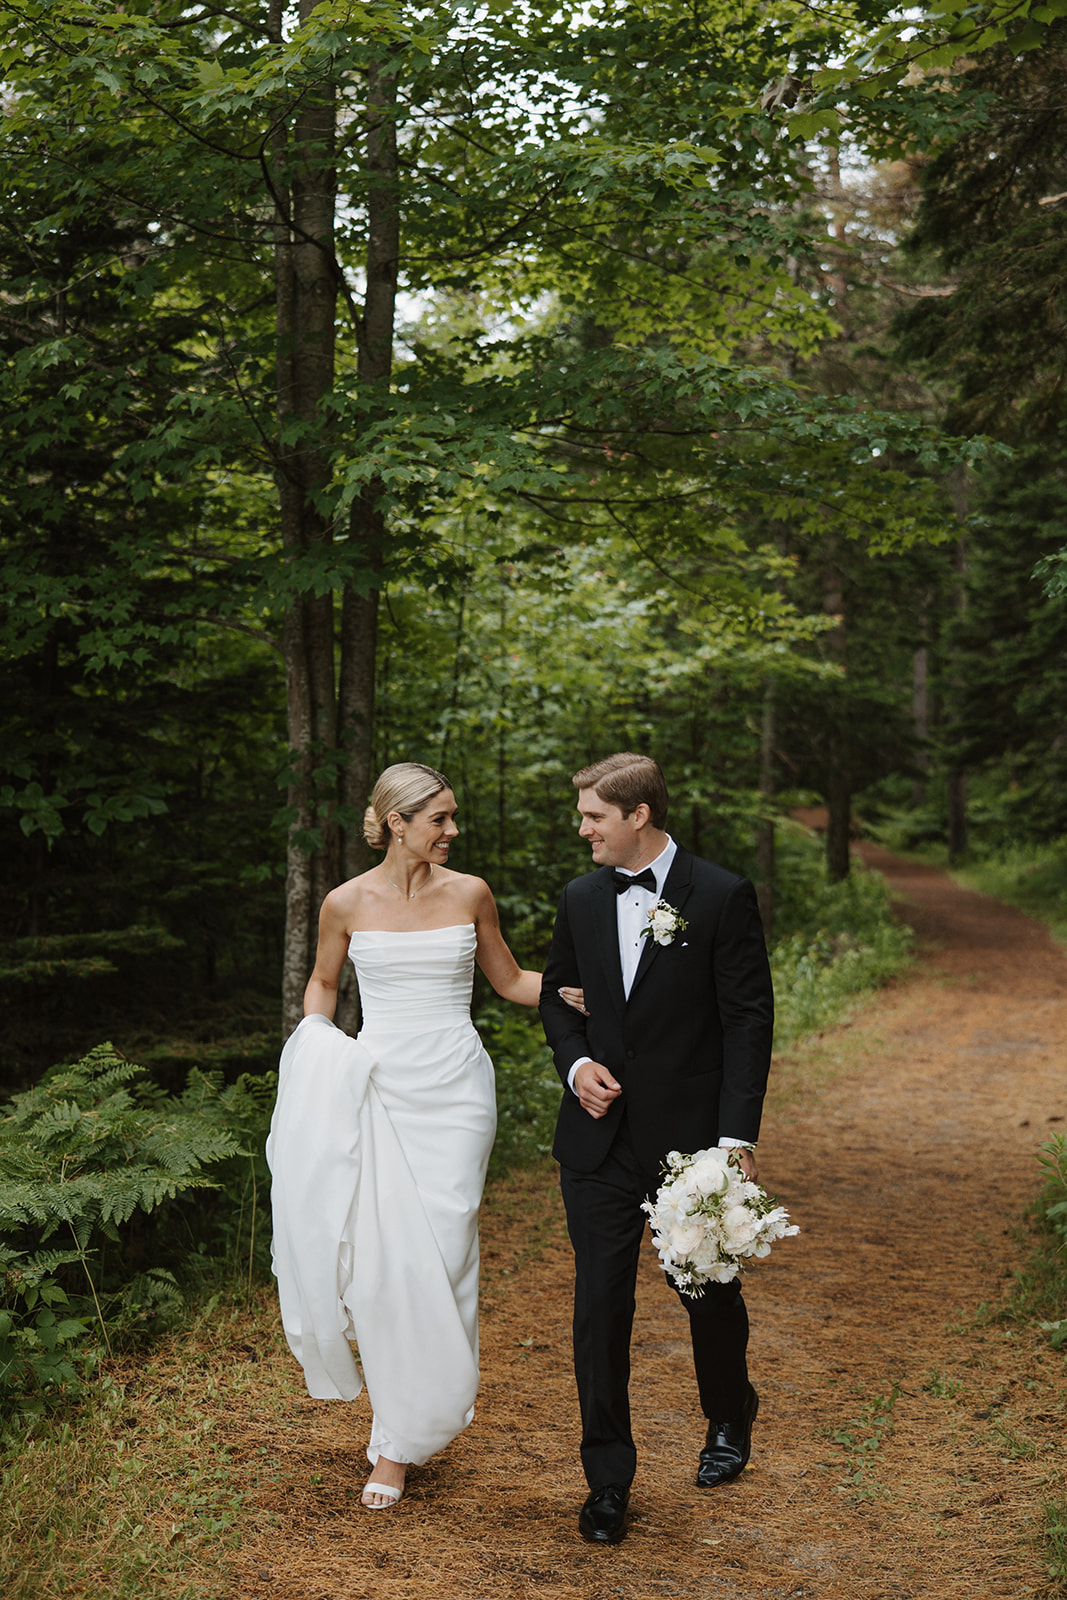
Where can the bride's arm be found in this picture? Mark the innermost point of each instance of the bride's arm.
(320, 996)
(510, 981)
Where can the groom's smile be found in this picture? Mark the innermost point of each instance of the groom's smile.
(615, 840)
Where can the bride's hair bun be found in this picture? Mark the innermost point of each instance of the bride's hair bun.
(405, 787)
(375, 832)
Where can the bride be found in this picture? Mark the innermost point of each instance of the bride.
(379, 1144)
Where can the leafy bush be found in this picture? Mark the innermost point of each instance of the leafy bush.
(103, 1163)
(1048, 1269)
(1052, 1200)
(838, 939)
(527, 1085)
(1030, 876)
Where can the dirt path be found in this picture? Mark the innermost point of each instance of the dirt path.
(904, 1147)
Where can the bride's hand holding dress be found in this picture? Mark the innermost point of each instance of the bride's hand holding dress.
(379, 1145)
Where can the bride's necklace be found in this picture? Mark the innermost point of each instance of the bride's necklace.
(414, 892)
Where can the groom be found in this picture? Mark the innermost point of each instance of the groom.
(672, 1054)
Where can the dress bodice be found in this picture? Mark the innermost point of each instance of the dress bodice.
(408, 979)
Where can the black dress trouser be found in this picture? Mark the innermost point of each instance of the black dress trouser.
(606, 1223)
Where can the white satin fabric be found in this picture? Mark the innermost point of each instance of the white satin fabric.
(378, 1148)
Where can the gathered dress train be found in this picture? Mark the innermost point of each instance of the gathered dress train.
(378, 1149)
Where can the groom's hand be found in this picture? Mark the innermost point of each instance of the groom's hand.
(596, 1089)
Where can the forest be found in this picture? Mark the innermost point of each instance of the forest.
(495, 387)
(495, 391)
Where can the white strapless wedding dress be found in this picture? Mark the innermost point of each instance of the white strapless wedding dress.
(378, 1148)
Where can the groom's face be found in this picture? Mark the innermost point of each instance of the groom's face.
(616, 841)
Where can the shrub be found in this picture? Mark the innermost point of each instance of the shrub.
(838, 939)
(527, 1086)
(100, 1162)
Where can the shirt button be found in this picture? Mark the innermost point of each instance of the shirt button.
(630, 1054)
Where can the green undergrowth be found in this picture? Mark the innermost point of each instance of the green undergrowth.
(528, 1088)
(1030, 874)
(838, 940)
(119, 1204)
(1032, 877)
(1038, 1302)
(144, 1488)
(1039, 1290)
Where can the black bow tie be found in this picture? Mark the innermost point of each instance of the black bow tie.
(639, 880)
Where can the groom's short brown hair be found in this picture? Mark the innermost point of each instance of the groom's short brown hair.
(627, 781)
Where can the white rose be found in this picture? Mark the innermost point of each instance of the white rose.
(707, 1253)
(684, 1237)
(708, 1174)
(740, 1229)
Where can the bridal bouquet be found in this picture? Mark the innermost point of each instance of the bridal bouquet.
(707, 1219)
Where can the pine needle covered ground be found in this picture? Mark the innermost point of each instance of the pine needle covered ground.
(909, 1441)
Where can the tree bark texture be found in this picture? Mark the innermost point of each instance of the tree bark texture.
(306, 297)
(920, 708)
(331, 723)
(839, 778)
(765, 832)
(766, 836)
(957, 773)
(359, 606)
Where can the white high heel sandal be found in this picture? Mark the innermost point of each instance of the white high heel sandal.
(392, 1496)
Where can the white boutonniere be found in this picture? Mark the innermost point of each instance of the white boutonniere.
(665, 923)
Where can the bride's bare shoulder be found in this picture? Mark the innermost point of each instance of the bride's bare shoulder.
(474, 891)
(344, 901)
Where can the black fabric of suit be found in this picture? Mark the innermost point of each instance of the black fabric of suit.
(691, 1048)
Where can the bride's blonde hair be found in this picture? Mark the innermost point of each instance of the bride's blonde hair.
(405, 787)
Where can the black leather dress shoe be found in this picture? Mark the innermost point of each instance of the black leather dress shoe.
(603, 1517)
(728, 1446)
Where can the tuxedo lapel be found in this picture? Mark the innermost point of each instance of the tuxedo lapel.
(606, 927)
(676, 892)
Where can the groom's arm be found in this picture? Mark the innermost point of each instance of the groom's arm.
(746, 1012)
(565, 1028)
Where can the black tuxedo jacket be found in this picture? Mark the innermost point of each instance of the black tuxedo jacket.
(692, 1044)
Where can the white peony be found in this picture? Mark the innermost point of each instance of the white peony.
(684, 1237)
(707, 1253)
(708, 1174)
(740, 1229)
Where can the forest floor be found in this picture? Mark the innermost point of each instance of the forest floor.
(905, 1440)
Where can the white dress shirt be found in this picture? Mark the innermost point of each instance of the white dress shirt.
(632, 907)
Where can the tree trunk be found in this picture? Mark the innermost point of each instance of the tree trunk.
(839, 780)
(957, 814)
(839, 827)
(957, 774)
(359, 610)
(765, 832)
(306, 296)
(359, 603)
(920, 707)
